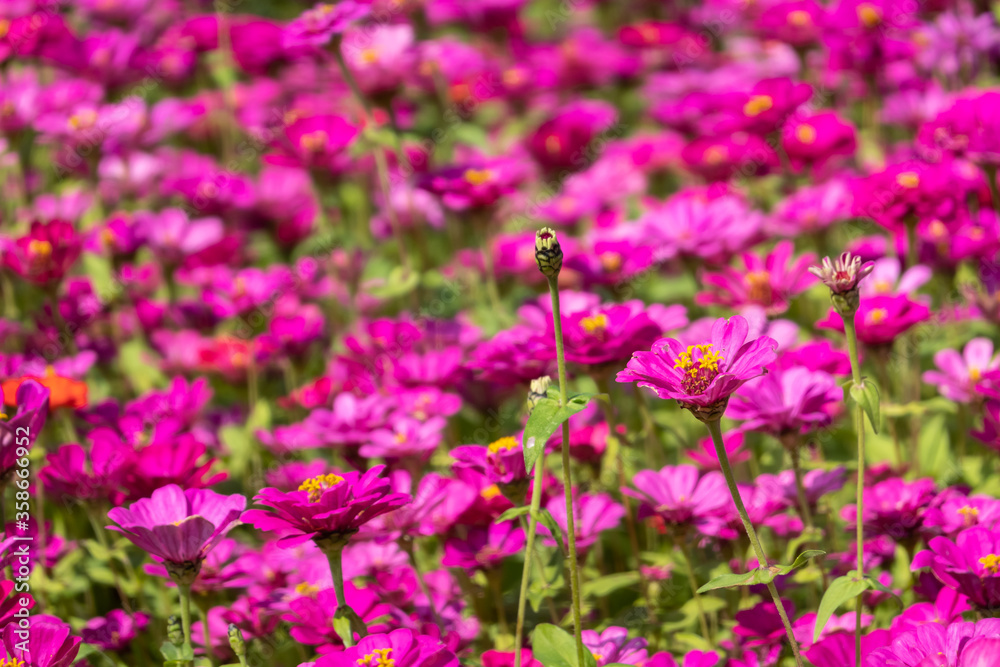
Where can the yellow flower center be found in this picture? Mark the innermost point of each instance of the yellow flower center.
(757, 105)
(39, 249)
(513, 77)
(552, 144)
(715, 155)
(975, 374)
(700, 364)
(377, 658)
(108, 237)
(877, 316)
(490, 492)
(799, 18)
(400, 438)
(970, 514)
(502, 444)
(759, 284)
(83, 120)
(908, 179)
(478, 176)
(990, 563)
(4, 28)
(805, 133)
(369, 56)
(595, 324)
(315, 486)
(312, 142)
(597, 656)
(938, 229)
(12, 662)
(611, 261)
(305, 588)
(869, 15)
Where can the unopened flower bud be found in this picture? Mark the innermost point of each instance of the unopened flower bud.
(539, 390)
(236, 641)
(175, 631)
(548, 252)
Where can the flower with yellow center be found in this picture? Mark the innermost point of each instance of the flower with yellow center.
(759, 287)
(379, 657)
(757, 105)
(990, 563)
(595, 324)
(970, 514)
(876, 316)
(908, 179)
(490, 492)
(805, 133)
(315, 486)
(700, 364)
(799, 18)
(477, 176)
(313, 142)
(869, 15)
(503, 444)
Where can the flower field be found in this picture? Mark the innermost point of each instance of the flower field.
(499, 333)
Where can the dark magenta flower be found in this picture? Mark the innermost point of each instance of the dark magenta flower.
(614, 646)
(325, 506)
(812, 141)
(881, 319)
(317, 26)
(73, 473)
(960, 644)
(32, 411)
(46, 254)
(310, 614)
(477, 184)
(970, 564)
(399, 648)
(562, 143)
(609, 333)
(702, 376)
(179, 527)
(484, 548)
(46, 642)
(502, 460)
(893, 507)
(115, 631)
(315, 142)
(783, 402)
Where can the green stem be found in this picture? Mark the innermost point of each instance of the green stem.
(852, 350)
(727, 471)
(800, 487)
(185, 591)
(685, 552)
(574, 565)
(529, 554)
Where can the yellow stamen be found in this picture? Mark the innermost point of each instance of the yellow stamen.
(39, 248)
(611, 261)
(975, 374)
(305, 588)
(757, 105)
(877, 316)
(12, 662)
(490, 492)
(369, 56)
(990, 563)
(4, 28)
(513, 77)
(312, 142)
(908, 179)
(715, 155)
(805, 133)
(595, 324)
(970, 514)
(477, 176)
(799, 18)
(502, 444)
(759, 283)
(315, 486)
(869, 15)
(83, 120)
(377, 658)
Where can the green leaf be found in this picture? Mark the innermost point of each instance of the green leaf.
(399, 283)
(799, 561)
(545, 418)
(731, 581)
(554, 647)
(174, 653)
(513, 513)
(866, 395)
(934, 449)
(604, 586)
(840, 591)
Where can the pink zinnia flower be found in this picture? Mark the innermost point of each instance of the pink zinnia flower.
(678, 494)
(46, 254)
(790, 401)
(399, 648)
(179, 527)
(970, 564)
(484, 548)
(317, 26)
(881, 319)
(609, 333)
(700, 377)
(49, 641)
(593, 512)
(614, 646)
(958, 374)
(769, 281)
(325, 506)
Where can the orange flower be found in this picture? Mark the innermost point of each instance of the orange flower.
(63, 392)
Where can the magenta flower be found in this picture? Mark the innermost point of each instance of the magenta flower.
(46, 254)
(614, 646)
(309, 615)
(484, 548)
(561, 143)
(609, 333)
(317, 26)
(959, 374)
(792, 401)
(811, 209)
(696, 224)
(953, 511)
(707, 458)
(702, 377)
(970, 564)
(893, 507)
(32, 412)
(179, 527)
(315, 142)
(812, 141)
(325, 506)
(399, 648)
(837, 649)
(678, 495)
(881, 319)
(769, 282)
(46, 642)
(594, 513)
(72, 473)
(478, 184)
(502, 461)
(115, 631)
(960, 644)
